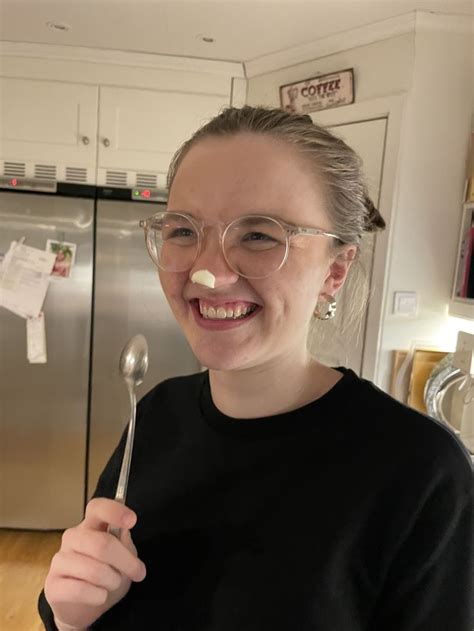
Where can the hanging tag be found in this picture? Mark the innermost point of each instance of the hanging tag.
(36, 340)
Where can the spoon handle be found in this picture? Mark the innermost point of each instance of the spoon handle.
(121, 492)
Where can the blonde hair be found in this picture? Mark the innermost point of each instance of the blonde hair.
(334, 164)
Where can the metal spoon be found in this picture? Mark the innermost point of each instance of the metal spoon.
(133, 365)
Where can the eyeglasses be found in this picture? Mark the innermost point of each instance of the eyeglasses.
(254, 246)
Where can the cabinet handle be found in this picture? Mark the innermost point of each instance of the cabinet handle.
(106, 142)
(85, 140)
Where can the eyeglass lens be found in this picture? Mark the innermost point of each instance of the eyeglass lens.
(253, 246)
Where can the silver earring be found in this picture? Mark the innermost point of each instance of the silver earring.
(328, 308)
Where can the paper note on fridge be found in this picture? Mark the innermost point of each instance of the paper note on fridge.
(36, 340)
(25, 279)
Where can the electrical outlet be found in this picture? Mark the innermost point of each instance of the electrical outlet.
(464, 354)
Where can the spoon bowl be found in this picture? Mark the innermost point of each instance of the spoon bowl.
(133, 362)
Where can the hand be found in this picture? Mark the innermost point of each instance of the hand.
(93, 570)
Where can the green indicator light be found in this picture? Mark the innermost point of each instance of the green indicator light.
(136, 193)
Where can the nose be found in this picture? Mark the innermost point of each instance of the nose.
(211, 258)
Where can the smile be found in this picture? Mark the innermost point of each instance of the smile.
(220, 317)
(227, 311)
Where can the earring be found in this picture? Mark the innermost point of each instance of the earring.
(329, 311)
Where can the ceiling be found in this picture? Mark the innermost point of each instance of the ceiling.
(243, 31)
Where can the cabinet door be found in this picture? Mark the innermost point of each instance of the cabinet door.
(139, 130)
(48, 123)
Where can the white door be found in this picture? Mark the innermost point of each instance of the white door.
(47, 127)
(339, 341)
(139, 130)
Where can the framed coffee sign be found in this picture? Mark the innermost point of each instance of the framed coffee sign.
(318, 93)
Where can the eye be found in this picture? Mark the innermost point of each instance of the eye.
(257, 236)
(180, 232)
(258, 241)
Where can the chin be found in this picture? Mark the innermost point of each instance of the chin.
(224, 361)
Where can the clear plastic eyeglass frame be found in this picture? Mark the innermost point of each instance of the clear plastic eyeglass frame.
(289, 230)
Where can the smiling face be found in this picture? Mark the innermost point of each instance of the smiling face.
(219, 180)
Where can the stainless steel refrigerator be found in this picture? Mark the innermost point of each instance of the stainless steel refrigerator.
(60, 421)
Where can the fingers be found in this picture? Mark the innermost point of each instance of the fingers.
(105, 548)
(102, 512)
(93, 569)
(70, 590)
(72, 565)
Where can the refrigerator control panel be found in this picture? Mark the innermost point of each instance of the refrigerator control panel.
(149, 195)
(28, 184)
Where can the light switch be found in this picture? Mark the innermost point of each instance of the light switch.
(405, 303)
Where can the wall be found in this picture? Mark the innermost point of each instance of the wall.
(431, 67)
(431, 174)
(380, 69)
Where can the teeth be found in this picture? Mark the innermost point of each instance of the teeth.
(221, 313)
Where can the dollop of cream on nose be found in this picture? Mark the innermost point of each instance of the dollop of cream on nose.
(204, 277)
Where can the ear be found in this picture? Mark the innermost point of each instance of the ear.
(339, 266)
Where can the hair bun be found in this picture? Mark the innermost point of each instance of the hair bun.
(373, 219)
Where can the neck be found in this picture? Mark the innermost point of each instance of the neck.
(279, 386)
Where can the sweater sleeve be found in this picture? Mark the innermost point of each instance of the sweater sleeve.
(430, 583)
(106, 486)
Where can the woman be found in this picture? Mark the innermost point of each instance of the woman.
(270, 492)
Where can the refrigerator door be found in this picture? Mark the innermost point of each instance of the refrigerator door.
(43, 407)
(128, 300)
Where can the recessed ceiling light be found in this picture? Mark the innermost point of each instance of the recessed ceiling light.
(205, 38)
(58, 26)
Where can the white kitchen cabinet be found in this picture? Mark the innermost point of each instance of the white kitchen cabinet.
(139, 131)
(48, 129)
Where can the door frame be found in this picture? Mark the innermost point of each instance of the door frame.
(391, 108)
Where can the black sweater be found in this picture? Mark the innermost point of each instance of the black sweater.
(352, 513)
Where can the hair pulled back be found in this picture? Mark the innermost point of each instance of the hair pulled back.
(335, 164)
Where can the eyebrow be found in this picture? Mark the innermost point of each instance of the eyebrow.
(255, 211)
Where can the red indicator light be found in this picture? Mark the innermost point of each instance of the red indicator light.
(14, 182)
(146, 194)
